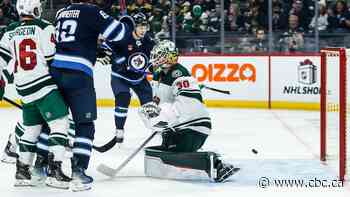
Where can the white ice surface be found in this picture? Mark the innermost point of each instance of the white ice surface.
(287, 143)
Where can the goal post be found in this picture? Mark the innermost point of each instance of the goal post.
(334, 130)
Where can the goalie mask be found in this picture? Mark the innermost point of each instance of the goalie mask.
(164, 55)
(29, 8)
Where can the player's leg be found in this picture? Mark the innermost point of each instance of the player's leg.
(55, 112)
(10, 152)
(143, 91)
(122, 96)
(39, 171)
(79, 94)
(27, 145)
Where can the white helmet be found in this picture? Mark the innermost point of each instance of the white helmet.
(29, 7)
(164, 54)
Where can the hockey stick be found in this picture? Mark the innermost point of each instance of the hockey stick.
(107, 146)
(12, 102)
(111, 172)
(214, 89)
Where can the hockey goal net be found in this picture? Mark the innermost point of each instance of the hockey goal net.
(335, 109)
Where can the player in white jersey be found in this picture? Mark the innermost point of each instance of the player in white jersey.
(185, 122)
(31, 43)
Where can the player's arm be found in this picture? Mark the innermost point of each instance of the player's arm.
(47, 39)
(106, 54)
(109, 28)
(5, 58)
(6, 63)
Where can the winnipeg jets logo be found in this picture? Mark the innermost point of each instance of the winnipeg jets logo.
(137, 61)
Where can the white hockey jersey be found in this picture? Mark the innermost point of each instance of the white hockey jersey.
(31, 44)
(181, 100)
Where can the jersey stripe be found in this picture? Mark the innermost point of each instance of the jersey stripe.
(36, 87)
(33, 82)
(110, 28)
(193, 121)
(121, 33)
(197, 96)
(5, 55)
(202, 125)
(49, 57)
(39, 94)
(73, 62)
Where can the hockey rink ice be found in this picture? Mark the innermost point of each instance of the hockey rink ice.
(287, 144)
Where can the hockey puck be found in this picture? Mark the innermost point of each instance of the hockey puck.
(254, 151)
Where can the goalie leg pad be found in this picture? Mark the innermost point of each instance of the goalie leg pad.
(182, 166)
(185, 140)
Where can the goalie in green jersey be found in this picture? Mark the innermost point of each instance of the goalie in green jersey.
(185, 124)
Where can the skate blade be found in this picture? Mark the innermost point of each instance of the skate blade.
(52, 182)
(8, 160)
(24, 183)
(77, 186)
(38, 180)
(228, 174)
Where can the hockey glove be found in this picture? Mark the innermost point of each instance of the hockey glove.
(150, 110)
(104, 60)
(156, 100)
(104, 55)
(2, 88)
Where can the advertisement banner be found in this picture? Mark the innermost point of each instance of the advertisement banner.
(245, 77)
(295, 78)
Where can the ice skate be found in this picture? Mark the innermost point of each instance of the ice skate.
(9, 156)
(80, 181)
(39, 171)
(23, 175)
(224, 171)
(56, 177)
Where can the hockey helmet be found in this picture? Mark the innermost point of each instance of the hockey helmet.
(128, 20)
(29, 8)
(164, 54)
(140, 19)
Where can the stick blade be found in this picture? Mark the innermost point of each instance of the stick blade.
(107, 146)
(106, 170)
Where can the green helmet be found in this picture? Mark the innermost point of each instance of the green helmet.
(164, 54)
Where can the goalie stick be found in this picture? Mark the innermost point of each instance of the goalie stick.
(201, 86)
(100, 149)
(111, 172)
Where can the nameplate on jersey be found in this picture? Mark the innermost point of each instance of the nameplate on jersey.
(138, 62)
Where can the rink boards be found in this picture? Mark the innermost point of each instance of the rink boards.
(255, 81)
